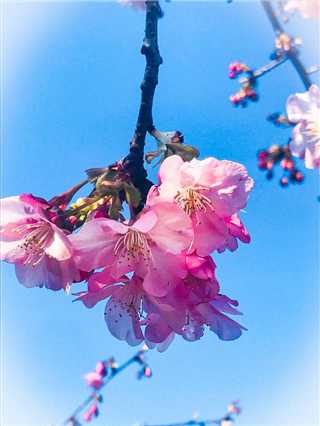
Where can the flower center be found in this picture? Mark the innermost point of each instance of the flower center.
(32, 244)
(192, 201)
(312, 129)
(134, 245)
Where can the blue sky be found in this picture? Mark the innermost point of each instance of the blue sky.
(70, 95)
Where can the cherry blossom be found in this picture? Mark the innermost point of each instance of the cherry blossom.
(41, 252)
(304, 109)
(308, 9)
(209, 191)
(149, 246)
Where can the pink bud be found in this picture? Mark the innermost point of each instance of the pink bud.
(100, 369)
(269, 165)
(284, 181)
(87, 417)
(94, 409)
(147, 372)
(299, 176)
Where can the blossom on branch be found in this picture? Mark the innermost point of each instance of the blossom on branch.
(209, 191)
(304, 110)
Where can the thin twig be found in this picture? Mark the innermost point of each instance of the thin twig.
(290, 54)
(264, 70)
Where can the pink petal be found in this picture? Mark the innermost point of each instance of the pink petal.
(210, 234)
(145, 222)
(123, 322)
(94, 244)
(170, 170)
(173, 231)
(206, 173)
(60, 246)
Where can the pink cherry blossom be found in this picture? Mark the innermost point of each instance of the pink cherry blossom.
(304, 109)
(42, 253)
(94, 380)
(209, 191)
(127, 304)
(308, 9)
(137, 5)
(148, 247)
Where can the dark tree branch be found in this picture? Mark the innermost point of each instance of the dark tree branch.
(133, 163)
(290, 54)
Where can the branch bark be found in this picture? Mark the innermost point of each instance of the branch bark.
(290, 54)
(133, 163)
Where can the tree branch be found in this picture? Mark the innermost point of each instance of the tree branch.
(267, 68)
(132, 165)
(290, 54)
(114, 372)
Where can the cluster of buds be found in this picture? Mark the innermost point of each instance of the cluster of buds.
(279, 120)
(145, 370)
(237, 68)
(110, 368)
(283, 44)
(269, 158)
(93, 409)
(248, 83)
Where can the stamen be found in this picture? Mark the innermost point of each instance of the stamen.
(32, 244)
(133, 245)
(192, 201)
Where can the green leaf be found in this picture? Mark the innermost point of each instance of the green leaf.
(133, 196)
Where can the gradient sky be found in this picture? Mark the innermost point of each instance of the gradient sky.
(70, 95)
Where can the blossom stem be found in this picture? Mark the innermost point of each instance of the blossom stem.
(133, 163)
(267, 68)
(114, 372)
(290, 54)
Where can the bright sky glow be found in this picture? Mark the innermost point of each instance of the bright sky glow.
(70, 95)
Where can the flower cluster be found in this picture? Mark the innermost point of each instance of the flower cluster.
(303, 109)
(247, 90)
(237, 68)
(269, 158)
(155, 270)
(284, 43)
